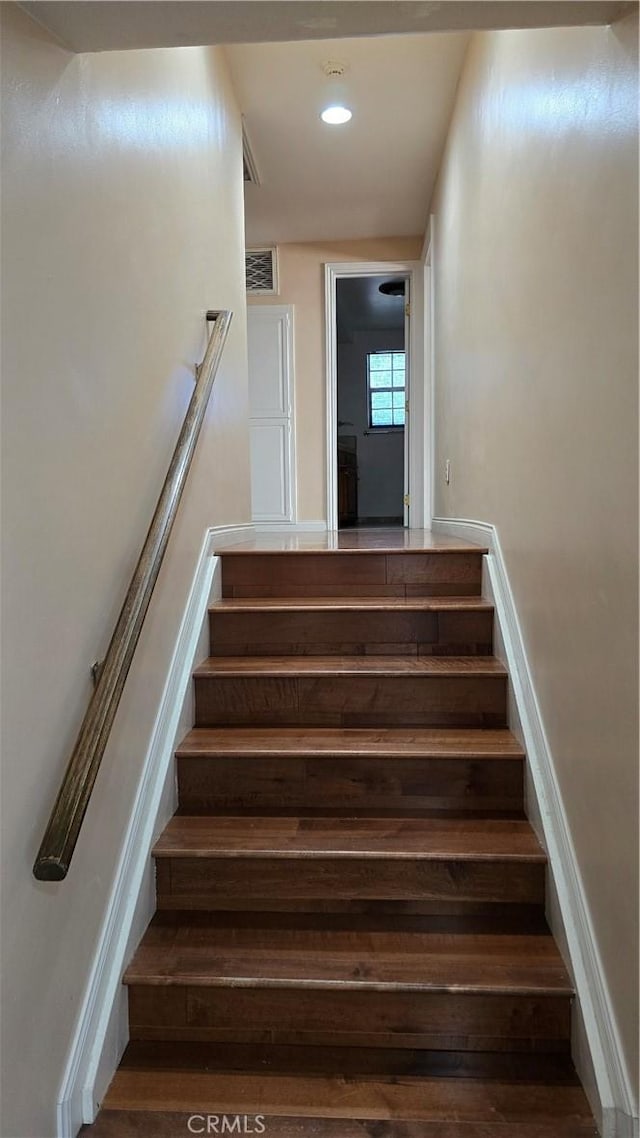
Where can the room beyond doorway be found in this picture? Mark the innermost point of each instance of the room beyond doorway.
(371, 400)
(412, 433)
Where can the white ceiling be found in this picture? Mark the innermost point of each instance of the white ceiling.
(111, 25)
(371, 177)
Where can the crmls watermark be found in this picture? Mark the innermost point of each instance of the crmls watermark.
(226, 1124)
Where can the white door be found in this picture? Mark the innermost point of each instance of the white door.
(270, 342)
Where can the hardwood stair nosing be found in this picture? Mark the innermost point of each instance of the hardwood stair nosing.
(279, 854)
(463, 548)
(387, 839)
(309, 984)
(351, 742)
(372, 666)
(310, 604)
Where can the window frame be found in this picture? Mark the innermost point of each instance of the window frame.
(375, 390)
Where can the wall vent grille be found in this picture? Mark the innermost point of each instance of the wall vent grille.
(261, 271)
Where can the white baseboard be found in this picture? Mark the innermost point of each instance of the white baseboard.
(289, 527)
(98, 1037)
(616, 1100)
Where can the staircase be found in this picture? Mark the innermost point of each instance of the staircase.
(350, 937)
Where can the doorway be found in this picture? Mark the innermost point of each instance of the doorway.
(371, 370)
(371, 381)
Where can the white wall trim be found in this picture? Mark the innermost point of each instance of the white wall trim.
(96, 1028)
(618, 1111)
(428, 365)
(333, 272)
(229, 535)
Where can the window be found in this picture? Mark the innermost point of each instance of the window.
(386, 389)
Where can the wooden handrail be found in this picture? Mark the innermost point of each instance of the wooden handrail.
(61, 835)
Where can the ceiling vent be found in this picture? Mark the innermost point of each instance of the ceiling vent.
(261, 271)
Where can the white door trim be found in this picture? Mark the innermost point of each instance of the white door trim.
(406, 449)
(415, 440)
(429, 375)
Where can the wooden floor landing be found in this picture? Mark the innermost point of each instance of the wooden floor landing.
(380, 539)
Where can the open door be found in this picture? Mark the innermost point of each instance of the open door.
(371, 396)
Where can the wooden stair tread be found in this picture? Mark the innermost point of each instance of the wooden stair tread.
(351, 604)
(166, 1124)
(387, 742)
(423, 666)
(400, 1097)
(339, 837)
(342, 959)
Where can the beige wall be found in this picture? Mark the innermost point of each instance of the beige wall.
(536, 407)
(301, 270)
(122, 223)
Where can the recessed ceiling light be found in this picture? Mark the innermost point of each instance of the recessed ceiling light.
(336, 115)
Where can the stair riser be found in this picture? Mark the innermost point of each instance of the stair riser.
(207, 882)
(352, 701)
(432, 1021)
(207, 785)
(324, 633)
(186, 1061)
(340, 573)
(387, 911)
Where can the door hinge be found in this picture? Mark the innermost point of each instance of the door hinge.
(406, 405)
(406, 501)
(407, 310)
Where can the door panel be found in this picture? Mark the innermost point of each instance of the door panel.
(270, 344)
(269, 470)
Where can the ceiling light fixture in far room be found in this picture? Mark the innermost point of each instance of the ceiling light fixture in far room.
(335, 112)
(392, 288)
